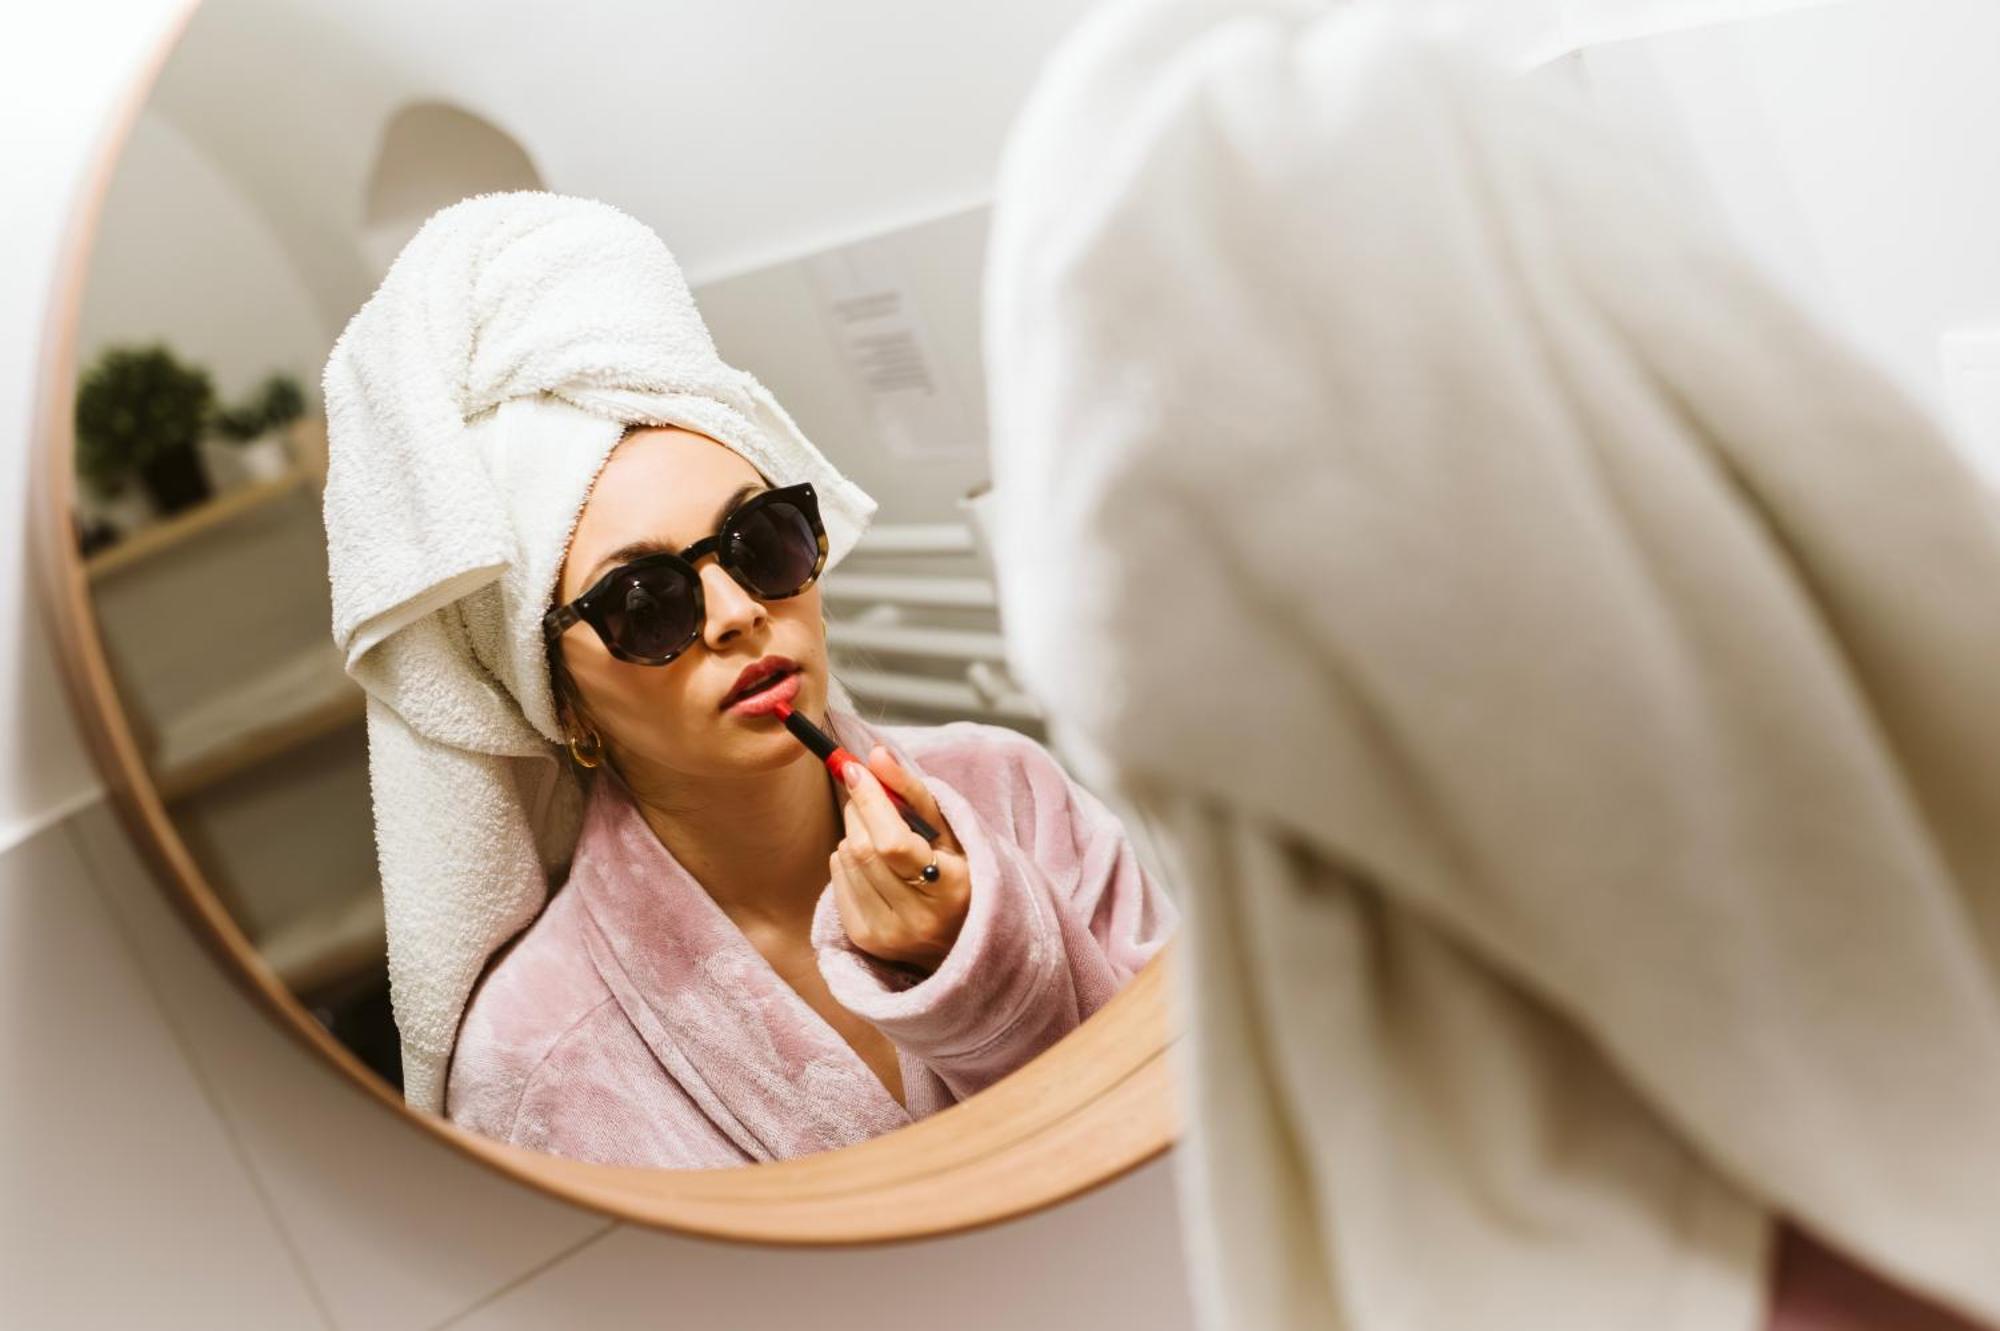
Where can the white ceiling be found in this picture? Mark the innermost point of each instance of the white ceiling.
(743, 132)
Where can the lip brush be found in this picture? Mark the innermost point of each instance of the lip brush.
(836, 759)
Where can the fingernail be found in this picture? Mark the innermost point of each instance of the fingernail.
(851, 773)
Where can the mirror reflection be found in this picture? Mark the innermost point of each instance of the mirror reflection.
(626, 564)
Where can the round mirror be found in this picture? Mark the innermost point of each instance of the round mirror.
(822, 189)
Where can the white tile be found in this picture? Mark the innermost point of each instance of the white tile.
(1108, 1261)
(123, 1201)
(398, 1231)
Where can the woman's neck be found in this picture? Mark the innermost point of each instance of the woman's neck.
(757, 843)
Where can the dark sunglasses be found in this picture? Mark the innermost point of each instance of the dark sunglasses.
(650, 610)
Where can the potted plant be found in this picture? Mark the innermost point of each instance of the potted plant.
(141, 412)
(258, 428)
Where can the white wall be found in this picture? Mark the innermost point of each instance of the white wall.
(1855, 146)
(169, 1159)
(773, 322)
(183, 256)
(744, 133)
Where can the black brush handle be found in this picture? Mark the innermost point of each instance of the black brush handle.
(912, 817)
(825, 746)
(810, 735)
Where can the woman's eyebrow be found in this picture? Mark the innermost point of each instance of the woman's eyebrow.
(647, 545)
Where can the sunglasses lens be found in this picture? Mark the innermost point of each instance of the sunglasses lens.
(652, 611)
(774, 549)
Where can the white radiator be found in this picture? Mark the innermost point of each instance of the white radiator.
(913, 627)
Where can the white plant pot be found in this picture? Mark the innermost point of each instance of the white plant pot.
(265, 458)
(127, 512)
(223, 462)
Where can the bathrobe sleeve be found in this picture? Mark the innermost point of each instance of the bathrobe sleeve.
(1062, 915)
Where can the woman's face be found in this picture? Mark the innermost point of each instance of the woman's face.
(662, 724)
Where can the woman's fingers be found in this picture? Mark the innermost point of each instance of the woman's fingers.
(897, 917)
(870, 915)
(915, 793)
(888, 835)
(857, 851)
(863, 912)
(918, 922)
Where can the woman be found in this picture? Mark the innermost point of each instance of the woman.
(532, 443)
(746, 962)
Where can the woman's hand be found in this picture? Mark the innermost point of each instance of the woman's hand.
(909, 924)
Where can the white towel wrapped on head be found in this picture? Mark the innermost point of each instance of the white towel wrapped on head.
(470, 404)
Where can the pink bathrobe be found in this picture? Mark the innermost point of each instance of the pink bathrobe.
(633, 1023)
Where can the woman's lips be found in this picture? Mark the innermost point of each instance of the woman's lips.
(758, 674)
(765, 699)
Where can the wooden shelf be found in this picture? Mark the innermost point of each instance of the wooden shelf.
(188, 523)
(309, 697)
(335, 942)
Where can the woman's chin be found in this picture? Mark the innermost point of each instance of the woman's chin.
(775, 749)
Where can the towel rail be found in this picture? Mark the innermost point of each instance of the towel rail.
(918, 538)
(913, 589)
(918, 640)
(930, 604)
(958, 697)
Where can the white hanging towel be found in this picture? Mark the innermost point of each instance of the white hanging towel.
(1568, 680)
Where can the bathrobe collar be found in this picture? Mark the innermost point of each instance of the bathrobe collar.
(762, 1064)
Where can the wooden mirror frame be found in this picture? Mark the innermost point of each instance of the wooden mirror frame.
(1095, 1106)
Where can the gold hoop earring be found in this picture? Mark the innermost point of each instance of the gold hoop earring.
(596, 751)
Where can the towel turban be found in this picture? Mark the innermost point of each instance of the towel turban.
(470, 405)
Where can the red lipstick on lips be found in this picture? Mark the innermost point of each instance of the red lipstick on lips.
(837, 759)
(764, 699)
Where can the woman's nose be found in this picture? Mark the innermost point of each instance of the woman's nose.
(731, 609)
